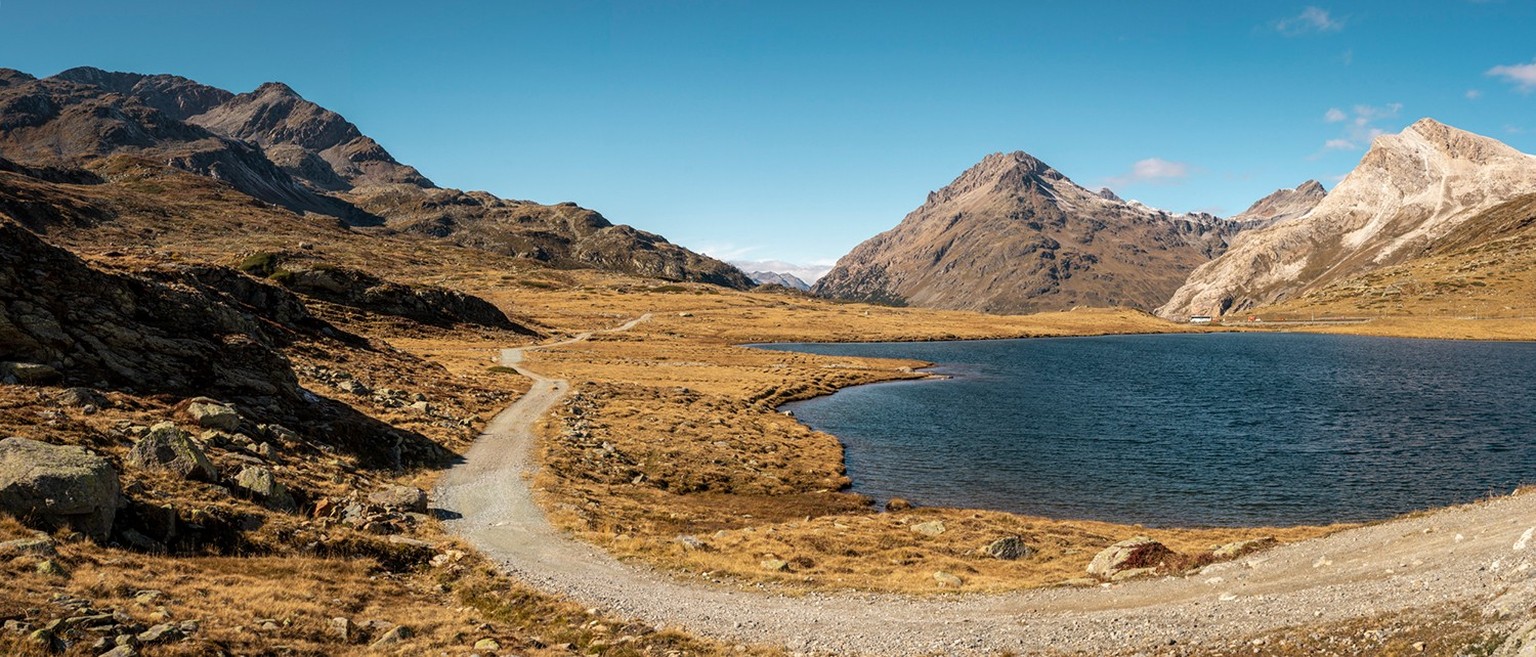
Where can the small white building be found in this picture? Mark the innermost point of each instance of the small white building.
(1200, 319)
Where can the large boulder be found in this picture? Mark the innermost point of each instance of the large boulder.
(213, 414)
(259, 482)
(400, 498)
(166, 447)
(1131, 554)
(58, 486)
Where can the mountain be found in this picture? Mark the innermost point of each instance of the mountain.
(69, 120)
(1412, 191)
(279, 148)
(1283, 205)
(775, 278)
(808, 273)
(1013, 235)
(308, 141)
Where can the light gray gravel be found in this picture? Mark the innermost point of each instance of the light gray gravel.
(1480, 554)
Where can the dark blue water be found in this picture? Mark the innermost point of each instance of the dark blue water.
(1217, 429)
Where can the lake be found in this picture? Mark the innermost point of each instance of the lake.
(1190, 429)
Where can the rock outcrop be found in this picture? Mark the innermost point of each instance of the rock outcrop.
(99, 327)
(58, 486)
(1409, 193)
(1013, 235)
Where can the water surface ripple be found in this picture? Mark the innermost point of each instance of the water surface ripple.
(1215, 429)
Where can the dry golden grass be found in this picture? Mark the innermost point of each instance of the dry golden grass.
(448, 608)
(673, 433)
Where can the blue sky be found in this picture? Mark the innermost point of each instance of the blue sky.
(794, 130)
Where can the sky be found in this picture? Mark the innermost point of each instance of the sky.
(795, 130)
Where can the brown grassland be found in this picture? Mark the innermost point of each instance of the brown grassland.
(672, 432)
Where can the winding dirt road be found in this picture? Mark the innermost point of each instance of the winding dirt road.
(1480, 554)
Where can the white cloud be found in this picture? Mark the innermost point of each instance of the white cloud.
(1474, 94)
(1311, 20)
(1359, 125)
(1152, 170)
(1523, 76)
(726, 251)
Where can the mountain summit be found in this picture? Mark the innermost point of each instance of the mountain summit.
(1410, 191)
(1012, 235)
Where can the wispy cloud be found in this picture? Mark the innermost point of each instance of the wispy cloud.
(1312, 20)
(1359, 125)
(727, 251)
(1151, 170)
(1474, 94)
(1523, 76)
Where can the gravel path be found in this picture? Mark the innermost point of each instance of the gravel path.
(1480, 554)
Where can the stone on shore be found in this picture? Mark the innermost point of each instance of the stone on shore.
(1134, 553)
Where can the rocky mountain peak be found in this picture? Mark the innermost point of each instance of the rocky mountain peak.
(999, 172)
(1410, 191)
(10, 76)
(1430, 140)
(275, 89)
(1011, 234)
(1281, 205)
(1109, 195)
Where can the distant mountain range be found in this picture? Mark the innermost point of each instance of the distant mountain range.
(1013, 235)
(277, 147)
(776, 278)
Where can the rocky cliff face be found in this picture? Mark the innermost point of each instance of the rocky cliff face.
(1283, 205)
(308, 141)
(1013, 235)
(1410, 191)
(277, 147)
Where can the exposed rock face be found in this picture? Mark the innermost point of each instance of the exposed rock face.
(58, 486)
(1410, 191)
(308, 141)
(1283, 205)
(94, 326)
(1013, 235)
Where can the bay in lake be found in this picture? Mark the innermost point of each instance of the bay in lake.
(1208, 429)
